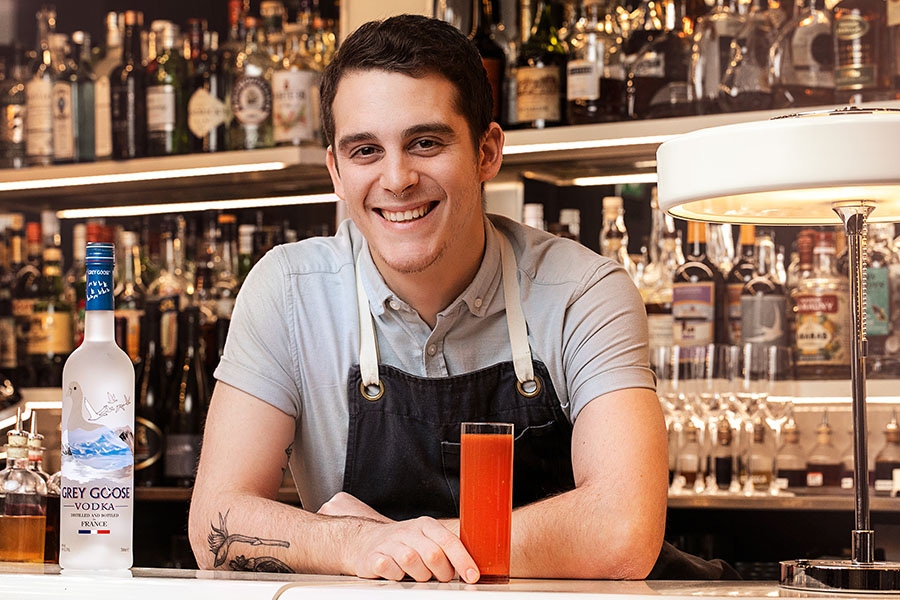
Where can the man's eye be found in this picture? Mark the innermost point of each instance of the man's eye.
(364, 151)
(426, 144)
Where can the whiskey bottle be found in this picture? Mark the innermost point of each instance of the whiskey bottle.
(821, 309)
(128, 92)
(802, 58)
(698, 295)
(823, 465)
(862, 51)
(97, 433)
(166, 101)
(742, 271)
(887, 460)
(541, 72)
(492, 55)
(595, 72)
(23, 504)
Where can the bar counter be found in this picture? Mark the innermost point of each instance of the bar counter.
(30, 582)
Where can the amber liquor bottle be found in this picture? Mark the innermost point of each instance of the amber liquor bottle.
(863, 51)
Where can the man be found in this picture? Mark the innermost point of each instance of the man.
(353, 359)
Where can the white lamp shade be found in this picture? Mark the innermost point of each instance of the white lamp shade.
(785, 171)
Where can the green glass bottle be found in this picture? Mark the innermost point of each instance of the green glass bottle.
(541, 72)
(166, 98)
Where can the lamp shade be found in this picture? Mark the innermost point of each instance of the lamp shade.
(790, 170)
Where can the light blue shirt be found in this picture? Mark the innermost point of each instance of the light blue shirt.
(294, 333)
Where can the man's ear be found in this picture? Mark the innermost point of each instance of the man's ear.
(491, 152)
(331, 163)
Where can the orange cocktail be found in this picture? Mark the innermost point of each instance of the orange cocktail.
(485, 505)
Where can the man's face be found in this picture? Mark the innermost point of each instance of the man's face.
(404, 162)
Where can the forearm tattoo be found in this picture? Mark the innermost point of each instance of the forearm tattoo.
(220, 542)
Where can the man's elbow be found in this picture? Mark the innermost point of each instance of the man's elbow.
(628, 553)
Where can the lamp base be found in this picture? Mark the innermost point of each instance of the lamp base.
(840, 576)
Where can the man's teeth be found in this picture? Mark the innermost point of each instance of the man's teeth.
(409, 215)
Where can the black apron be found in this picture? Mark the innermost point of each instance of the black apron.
(403, 438)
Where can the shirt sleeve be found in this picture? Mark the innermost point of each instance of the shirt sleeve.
(260, 345)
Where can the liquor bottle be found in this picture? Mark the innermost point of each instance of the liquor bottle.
(271, 22)
(712, 53)
(188, 397)
(862, 70)
(166, 101)
(746, 81)
(234, 39)
(660, 74)
(64, 98)
(295, 93)
(821, 309)
(823, 465)
(541, 72)
(881, 268)
(847, 464)
(39, 94)
(492, 54)
(9, 357)
(698, 295)
(742, 271)
(764, 315)
(248, 93)
(689, 473)
(170, 288)
(112, 57)
(790, 461)
(23, 504)
(658, 297)
(802, 58)
(97, 434)
(73, 280)
(887, 460)
(645, 24)
(51, 336)
(614, 235)
(246, 256)
(206, 106)
(225, 266)
(760, 460)
(36, 464)
(130, 295)
(12, 109)
(595, 71)
(723, 457)
(28, 277)
(84, 108)
(128, 92)
(149, 410)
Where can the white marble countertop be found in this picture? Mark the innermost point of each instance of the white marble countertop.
(32, 582)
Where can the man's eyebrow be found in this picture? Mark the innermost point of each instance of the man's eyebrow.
(437, 127)
(349, 140)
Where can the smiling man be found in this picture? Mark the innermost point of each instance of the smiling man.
(353, 359)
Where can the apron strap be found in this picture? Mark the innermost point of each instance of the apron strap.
(515, 322)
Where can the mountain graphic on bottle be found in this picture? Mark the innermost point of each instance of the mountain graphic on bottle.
(92, 444)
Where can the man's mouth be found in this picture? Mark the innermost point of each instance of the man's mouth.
(406, 215)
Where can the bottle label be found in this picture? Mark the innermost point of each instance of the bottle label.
(661, 330)
(251, 101)
(763, 319)
(102, 118)
(63, 122)
(293, 109)
(205, 113)
(583, 80)
(823, 323)
(812, 51)
(39, 117)
(650, 64)
(693, 313)
(161, 108)
(182, 454)
(857, 61)
(50, 333)
(148, 443)
(878, 301)
(537, 94)
(98, 290)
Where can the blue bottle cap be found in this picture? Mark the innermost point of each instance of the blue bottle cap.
(99, 251)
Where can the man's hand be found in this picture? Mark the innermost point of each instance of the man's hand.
(422, 548)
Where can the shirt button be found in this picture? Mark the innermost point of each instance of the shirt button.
(478, 302)
(432, 349)
(395, 305)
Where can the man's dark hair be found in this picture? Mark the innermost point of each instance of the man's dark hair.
(417, 46)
